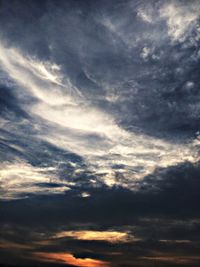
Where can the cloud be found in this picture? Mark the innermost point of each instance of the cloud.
(76, 125)
(69, 259)
(99, 138)
(109, 236)
(20, 179)
(180, 18)
(161, 221)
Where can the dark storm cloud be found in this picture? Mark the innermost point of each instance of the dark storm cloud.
(163, 218)
(168, 192)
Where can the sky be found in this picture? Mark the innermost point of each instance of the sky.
(100, 133)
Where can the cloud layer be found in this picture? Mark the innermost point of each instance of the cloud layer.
(99, 133)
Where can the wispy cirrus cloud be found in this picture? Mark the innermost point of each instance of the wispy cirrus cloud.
(75, 124)
(20, 179)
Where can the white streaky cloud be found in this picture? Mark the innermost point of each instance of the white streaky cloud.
(80, 118)
(73, 124)
(179, 18)
(146, 15)
(46, 71)
(41, 79)
(116, 28)
(20, 178)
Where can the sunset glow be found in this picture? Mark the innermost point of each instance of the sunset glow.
(108, 236)
(69, 259)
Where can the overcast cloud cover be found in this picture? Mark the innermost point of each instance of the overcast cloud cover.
(100, 133)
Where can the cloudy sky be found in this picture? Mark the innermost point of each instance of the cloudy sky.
(100, 133)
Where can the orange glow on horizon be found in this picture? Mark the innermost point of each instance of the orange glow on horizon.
(67, 258)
